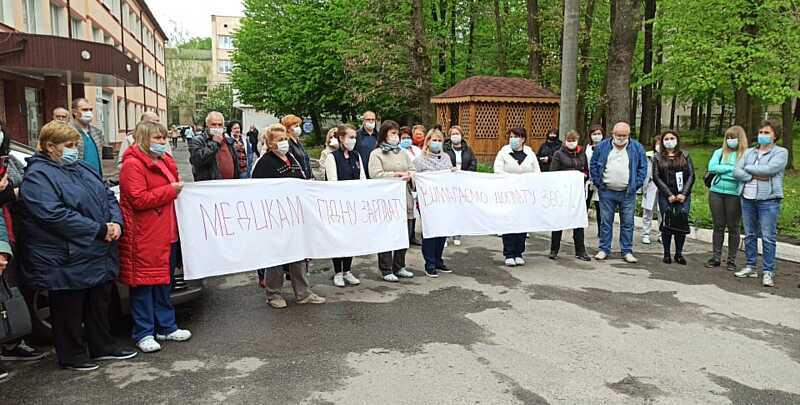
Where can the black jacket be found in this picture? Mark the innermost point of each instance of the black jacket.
(468, 160)
(666, 179)
(203, 157)
(252, 137)
(565, 159)
(270, 166)
(296, 149)
(547, 150)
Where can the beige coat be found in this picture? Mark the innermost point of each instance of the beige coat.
(386, 164)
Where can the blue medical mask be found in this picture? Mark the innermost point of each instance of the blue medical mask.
(158, 149)
(69, 156)
(732, 143)
(764, 139)
(405, 143)
(514, 143)
(436, 146)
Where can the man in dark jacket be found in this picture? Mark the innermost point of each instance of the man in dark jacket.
(212, 155)
(547, 150)
(367, 137)
(252, 137)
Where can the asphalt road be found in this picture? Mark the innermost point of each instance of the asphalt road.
(562, 332)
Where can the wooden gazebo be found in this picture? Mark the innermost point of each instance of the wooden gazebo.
(486, 107)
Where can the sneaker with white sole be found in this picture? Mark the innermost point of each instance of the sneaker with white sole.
(312, 299)
(601, 255)
(148, 344)
(630, 258)
(403, 273)
(277, 303)
(646, 239)
(22, 352)
(390, 278)
(768, 280)
(180, 335)
(510, 262)
(747, 272)
(349, 278)
(338, 280)
(519, 261)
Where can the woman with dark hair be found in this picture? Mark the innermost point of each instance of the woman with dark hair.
(570, 157)
(515, 158)
(548, 148)
(673, 174)
(240, 145)
(596, 135)
(389, 161)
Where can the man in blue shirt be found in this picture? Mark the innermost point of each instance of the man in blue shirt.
(91, 137)
(367, 138)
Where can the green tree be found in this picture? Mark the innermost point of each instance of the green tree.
(219, 98)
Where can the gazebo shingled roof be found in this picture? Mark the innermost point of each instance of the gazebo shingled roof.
(492, 88)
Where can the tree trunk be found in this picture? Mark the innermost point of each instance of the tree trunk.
(439, 15)
(672, 113)
(452, 43)
(634, 106)
(471, 40)
(620, 58)
(788, 130)
(569, 68)
(755, 116)
(647, 126)
(721, 128)
(534, 42)
(707, 123)
(742, 117)
(421, 64)
(583, 81)
(315, 119)
(499, 38)
(693, 118)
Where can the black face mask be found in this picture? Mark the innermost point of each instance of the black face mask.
(552, 139)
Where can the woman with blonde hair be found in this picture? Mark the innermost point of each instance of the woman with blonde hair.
(331, 145)
(723, 196)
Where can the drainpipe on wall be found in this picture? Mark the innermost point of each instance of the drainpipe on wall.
(125, 83)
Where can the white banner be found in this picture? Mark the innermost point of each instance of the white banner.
(469, 203)
(232, 226)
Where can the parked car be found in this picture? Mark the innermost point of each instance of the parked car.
(182, 291)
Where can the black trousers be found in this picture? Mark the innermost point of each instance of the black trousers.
(577, 238)
(342, 264)
(514, 245)
(80, 317)
(391, 262)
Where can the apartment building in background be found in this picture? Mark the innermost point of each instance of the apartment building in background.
(108, 51)
(223, 29)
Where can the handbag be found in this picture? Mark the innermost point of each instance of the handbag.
(676, 220)
(15, 320)
(708, 179)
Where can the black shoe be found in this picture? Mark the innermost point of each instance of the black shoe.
(22, 352)
(443, 269)
(680, 260)
(432, 273)
(584, 257)
(667, 259)
(711, 263)
(553, 255)
(732, 267)
(119, 354)
(3, 374)
(414, 242)
(87, 366)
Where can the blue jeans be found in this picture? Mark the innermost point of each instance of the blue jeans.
(151, 306)
(610, 201)
(432, 249)
(760, 218)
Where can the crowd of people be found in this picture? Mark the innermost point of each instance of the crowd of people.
(72, 237)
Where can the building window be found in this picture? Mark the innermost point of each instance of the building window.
(58, 20)
(97, 34)
(225, 41)
(77, 28)
(6, 13)
(31, 12)
(120, 116)
(225, 66)
(114, 8)
(126, 16)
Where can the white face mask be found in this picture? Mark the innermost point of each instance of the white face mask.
(670, 143)
(370, 126)
(333, 143)
(456, 139)
(620, 141)
(283, 146)
(216, 131)
(597, 138)
(393, 140)
(86, 117)
(571, 145)
(350, 143)
(298, 131)
(2, 137)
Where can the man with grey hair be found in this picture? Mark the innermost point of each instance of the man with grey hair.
(61, 114)
(618, 169)
(367, 137)
(212, 155)
(147, 116)
(91, 142)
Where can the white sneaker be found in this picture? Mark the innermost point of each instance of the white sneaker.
(519, 261)
(148, 345)
(646, 239)
(510, 262)
(391, 278)
(630, 258)
(747, 272)
(180, 335)
(403, 273)
(338, 280)
(767, 280)
(349, 278)
(445, 243)
(457, 242)
(601, 255)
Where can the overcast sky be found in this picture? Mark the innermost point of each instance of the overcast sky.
(192, 16)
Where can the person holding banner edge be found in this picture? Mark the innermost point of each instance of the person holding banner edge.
(278, 162)
(570, 157)
(343, 164)
(434, 159)
(388, 161)
(515, 158)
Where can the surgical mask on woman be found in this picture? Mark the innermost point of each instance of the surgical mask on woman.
(405, 143)
(69, 156)
(670, 144)
(455, 139)
(393, 140)
(597, 138)
(436, 146)
(732, 143)
(571, 145)
(283, 146)
(350, 144)
(158, 149)
(297, 131)
(515, 143)
(333, 143)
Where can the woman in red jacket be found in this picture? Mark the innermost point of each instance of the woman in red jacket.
(149, 183)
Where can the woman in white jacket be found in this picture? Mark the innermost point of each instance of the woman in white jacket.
(515, 158)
